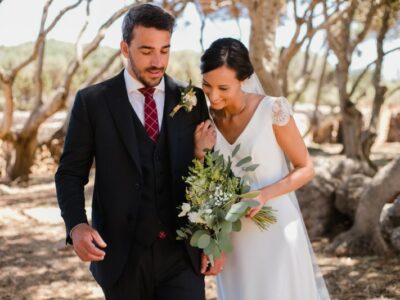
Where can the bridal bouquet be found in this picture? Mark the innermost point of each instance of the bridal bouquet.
(214, 207)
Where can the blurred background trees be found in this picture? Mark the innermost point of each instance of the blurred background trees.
(351, 187)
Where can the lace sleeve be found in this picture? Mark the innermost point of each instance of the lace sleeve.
(281, 111)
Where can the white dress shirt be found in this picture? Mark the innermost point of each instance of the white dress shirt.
(136, 98)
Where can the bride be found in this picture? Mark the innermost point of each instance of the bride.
(277, 263)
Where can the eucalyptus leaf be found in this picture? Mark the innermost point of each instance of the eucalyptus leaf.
(195, 237)
(236, 211)
(237, 226)
(225, 243)
(249, 195)
(245, 189)
(251, 168)
(251, 203)
(181, 234)
(243, 161)
(203, 241)
(226, 226)
(209, 250)
(236, 150)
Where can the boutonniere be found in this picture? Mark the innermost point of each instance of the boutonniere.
(188, 100)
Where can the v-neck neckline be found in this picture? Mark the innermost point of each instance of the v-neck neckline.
(245, 128)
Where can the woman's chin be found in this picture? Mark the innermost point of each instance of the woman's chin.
(216, 106)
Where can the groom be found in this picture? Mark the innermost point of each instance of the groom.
(141, 154)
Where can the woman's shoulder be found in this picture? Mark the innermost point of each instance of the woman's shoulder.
(279, 108)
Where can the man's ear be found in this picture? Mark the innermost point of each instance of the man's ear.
(124, 48)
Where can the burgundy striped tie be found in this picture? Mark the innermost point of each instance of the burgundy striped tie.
(150, 113)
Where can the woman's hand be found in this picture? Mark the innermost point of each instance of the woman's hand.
(254, 210)
(204, 138)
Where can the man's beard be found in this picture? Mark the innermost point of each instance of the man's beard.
(138, 75)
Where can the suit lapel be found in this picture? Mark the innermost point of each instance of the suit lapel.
(172, 98)
(121, 111)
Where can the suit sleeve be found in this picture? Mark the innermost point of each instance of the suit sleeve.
(75, 163)
(202, 105)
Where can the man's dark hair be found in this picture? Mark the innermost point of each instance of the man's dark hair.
(146, 15)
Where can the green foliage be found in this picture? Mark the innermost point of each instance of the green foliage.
(215, 203)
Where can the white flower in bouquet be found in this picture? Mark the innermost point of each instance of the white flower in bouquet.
(185, 209)
(195, 217)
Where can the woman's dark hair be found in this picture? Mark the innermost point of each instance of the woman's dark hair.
(227, 52)
(146, 15)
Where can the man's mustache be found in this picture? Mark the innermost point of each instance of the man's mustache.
(155, 69)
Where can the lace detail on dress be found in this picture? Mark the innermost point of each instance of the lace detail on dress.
(281, 111)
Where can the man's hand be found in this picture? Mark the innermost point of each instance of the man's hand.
(214, 270)
(86, 242)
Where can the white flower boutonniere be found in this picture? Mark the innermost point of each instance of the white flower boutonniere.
(188, 100)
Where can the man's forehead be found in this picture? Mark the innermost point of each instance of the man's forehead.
(142, 32)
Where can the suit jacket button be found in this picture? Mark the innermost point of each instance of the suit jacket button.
(137, 186)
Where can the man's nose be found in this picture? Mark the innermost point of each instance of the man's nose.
(156, 61)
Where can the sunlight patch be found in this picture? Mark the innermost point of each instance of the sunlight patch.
(48, 215)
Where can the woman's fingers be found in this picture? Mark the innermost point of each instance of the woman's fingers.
(253, 211)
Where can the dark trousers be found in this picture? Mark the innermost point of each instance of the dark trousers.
(161, 272)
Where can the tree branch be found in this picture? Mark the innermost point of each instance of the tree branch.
(42, 35)
(61, 14)
(306, 79)
(45, 111)
(2, 75)
(367, 24)
(392, 92)
(78, 44)
(359, 78)
(103, 69)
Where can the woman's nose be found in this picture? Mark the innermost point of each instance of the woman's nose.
(213, 95)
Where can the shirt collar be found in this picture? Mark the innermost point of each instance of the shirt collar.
(132, 84)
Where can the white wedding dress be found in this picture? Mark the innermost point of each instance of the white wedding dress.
(276, 264)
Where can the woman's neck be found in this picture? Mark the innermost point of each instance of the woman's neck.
(237, 107)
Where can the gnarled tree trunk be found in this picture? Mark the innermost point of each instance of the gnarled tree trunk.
(27, 139)
(365, 235)
(25, 148)
(264, 55)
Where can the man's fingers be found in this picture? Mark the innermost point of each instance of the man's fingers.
(217, 267)
(204, 263)
(99, 241)
(87, 252)
(207, 123)
(91, 248)
(199, 127)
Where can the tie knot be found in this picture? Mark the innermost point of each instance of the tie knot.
(147, 91)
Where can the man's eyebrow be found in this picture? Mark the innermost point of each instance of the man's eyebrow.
(151, 48)
(146, 47)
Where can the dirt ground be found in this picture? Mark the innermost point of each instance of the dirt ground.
(36, 264)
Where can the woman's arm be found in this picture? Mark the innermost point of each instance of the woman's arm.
(292, 144)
